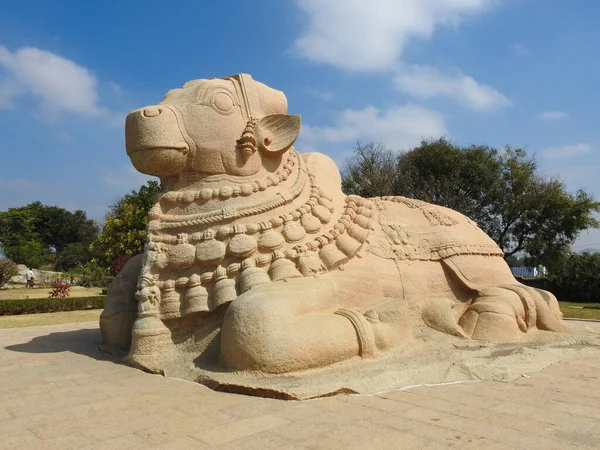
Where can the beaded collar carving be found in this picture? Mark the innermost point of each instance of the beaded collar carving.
(220, 261)
(235, 190)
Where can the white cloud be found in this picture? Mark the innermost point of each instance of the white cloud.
(325, 96)
(566, 151)
(116, 89)
(58, 83)
(552, 115)
(117, 120)
(576, 176)
(9, 90)
(398, 127)
(371, 35)
(520, 50)
(427, 81)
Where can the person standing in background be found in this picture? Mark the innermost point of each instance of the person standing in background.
(29, 277)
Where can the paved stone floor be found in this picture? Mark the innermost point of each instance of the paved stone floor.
(58, 391)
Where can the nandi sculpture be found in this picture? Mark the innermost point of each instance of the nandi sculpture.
(256, 261)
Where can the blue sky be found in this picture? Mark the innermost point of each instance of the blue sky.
(518, 72)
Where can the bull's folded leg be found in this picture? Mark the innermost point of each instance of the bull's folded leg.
(547, 312)
(380, 328)
(496, 314)
(289, 329)
(502, 308)
(507, 312)
(259, 335)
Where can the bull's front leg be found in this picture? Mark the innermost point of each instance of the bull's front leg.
(304, 324)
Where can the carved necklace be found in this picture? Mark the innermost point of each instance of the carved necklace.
(228, 260)
(225, 192)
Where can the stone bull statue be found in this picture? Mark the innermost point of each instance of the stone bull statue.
(256, 261)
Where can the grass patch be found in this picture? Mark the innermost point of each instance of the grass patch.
(580, 310)
(46, 305)
(56, 318)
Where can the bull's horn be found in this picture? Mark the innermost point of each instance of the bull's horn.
(276, 133)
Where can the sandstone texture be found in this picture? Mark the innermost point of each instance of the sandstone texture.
(260, 274)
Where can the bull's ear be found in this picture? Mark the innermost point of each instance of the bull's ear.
(276, 133)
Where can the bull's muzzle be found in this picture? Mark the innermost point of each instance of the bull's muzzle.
(154, 141)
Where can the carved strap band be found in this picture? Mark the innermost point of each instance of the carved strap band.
(528, 303)
(366, 339)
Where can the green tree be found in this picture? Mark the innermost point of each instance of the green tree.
(534, 214)
(466, 179)
(124, 229)
(16, 227)
(577, 278)
(524, 211)
(370, 172)
(37, 235)
(515, 261)
(92, 273)
(59, 228)
(32, 253)
(73, 255)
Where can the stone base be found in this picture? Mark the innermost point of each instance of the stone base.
(431, 358)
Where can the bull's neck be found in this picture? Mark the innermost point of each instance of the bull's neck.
(224, 186)
(210, 200)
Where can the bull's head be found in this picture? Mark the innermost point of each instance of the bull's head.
(231, 125)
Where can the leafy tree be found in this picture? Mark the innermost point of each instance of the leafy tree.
(515, 261)
(535, 214)
(92, 274)
(16, 230)
(464, 179)
(58, 228)
(124, 229)
(8, 269)
(522, 210)
(371, 171)
(32, 253)
(577, 278)
(73, 255)
(37, 235)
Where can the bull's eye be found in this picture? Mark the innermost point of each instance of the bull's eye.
(223, 103)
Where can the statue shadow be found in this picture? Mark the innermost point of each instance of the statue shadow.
(85, 342)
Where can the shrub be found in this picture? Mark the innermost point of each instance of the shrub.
(46, 305)
(59, 290)
(92, 274)
(8, 269)
(577, 278)
(118, 264)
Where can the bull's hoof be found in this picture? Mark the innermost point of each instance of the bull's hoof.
(547, 312)
(438, 313)
(490, 325)
(497, 314)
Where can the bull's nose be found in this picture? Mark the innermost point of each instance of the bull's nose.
(151, 111)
